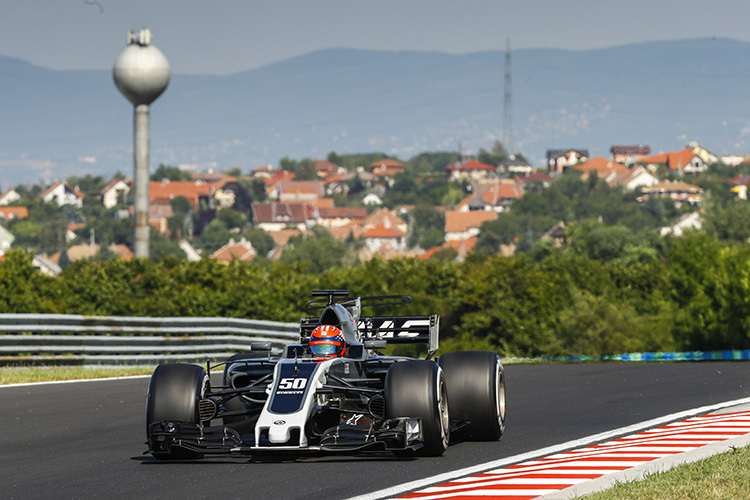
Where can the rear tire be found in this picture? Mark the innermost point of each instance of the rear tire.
(476, 392)
(173, 395)
(417, 389)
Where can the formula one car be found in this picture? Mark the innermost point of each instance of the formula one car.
(331, 392)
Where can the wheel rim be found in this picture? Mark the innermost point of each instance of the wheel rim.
(500, 401)
(443, 409)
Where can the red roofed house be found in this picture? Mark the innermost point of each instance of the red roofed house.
(62, 194)
(340, 216)
(379, 236)
(324, 168)
(470, 169)
(386, 218)
(464, 225)
(386, 167)
(274, 216)
(605, 169)
(241, 250)
(492, 194)
(291, 191)
(685, 160)
(161, 192)
(12, 213)
(9, 197)
(114, 192)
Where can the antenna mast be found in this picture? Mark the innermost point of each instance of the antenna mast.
(508, 102)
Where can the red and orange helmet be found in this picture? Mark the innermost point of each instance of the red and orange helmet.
(327, 341)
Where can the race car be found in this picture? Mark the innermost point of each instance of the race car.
(332, 392)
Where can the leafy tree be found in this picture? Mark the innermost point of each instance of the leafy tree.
(496, 156)
(261, 241)
(730, 223)
(170, 173)
(317, 248)
(231, 218)
(433, 162)
(427, 228)
(214, 236)
(234, 172)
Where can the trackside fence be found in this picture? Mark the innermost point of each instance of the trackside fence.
(101, 341)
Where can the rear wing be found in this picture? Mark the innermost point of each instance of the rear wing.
(391, 329)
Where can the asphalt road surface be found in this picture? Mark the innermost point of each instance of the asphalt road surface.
(86, 440)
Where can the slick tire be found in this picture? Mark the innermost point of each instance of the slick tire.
(476, 392)
(173, 395)
(417, 389)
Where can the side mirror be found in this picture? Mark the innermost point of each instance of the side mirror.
(375, 344)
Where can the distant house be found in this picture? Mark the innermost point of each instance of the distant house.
(470, 170)
(604, 168)
(274, 216)
(385, 218)
(559, 160)
(340, 216)
(493, 195)
(235, 250)
(232, 194)
(299, 191)
(62, 194)
(264, 172)
(13, 213)
(687, 222)
(678, 191)
(378, 236)
(685, 160)
(464, 225)
(532, 177)
(324, 168)
(387, 167)
(629, 155)
(162, 192)
(9, 197)
(633, 179)
(6, 239)
(514, 166)
(114, 193)
(372, 199)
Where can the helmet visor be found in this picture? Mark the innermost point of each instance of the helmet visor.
(324, 349)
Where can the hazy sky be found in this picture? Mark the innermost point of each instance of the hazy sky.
(225, 36)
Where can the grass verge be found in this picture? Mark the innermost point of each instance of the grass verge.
(28, 375)
(722, 476)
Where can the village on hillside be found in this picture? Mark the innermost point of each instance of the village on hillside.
(229, 216)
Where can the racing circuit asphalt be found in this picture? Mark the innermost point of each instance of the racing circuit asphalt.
(85, 440)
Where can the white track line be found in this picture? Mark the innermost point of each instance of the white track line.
(550, 450)
(32, 384)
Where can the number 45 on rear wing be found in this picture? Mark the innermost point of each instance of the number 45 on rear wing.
(402, 330)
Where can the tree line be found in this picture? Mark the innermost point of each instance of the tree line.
(693, 295)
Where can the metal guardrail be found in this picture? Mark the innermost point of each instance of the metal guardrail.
(97, 341)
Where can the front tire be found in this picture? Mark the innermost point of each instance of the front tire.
(173, 395)
(476, 391)
(417, 389)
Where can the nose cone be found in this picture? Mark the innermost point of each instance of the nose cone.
(141, 73)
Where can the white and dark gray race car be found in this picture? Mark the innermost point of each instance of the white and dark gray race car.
(334, 393)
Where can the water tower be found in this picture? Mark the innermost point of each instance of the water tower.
(141, 73)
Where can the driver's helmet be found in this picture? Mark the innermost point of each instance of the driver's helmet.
(327, 341)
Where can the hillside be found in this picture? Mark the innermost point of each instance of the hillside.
(62, 123)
